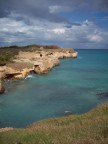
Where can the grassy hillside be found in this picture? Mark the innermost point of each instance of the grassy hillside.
(89, 128)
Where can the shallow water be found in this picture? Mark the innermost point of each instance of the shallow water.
(76, 86)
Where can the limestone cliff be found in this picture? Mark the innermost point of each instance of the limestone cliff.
(39, 61)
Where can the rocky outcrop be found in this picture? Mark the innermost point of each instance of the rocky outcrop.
(22, 74)
(45, 65)
(6, 129)
(2, 89)
(2, 75)
(40, 61)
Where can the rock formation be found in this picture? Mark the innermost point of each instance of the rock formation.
(2, 89)
(6, 129)
(40, 61)
(43, 66)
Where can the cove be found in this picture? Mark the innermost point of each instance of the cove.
(76, 86)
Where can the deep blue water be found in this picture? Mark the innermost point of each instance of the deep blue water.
(77, 86)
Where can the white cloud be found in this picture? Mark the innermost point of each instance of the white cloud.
(95, 38)
(11, 25)
(59, 30)
(54, 9)
(57, 8)
(13, 31)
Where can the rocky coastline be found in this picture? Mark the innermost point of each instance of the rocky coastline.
(40, 61)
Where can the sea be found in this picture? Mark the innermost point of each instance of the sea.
(76, 86)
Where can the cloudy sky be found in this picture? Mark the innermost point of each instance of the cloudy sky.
(68, 23)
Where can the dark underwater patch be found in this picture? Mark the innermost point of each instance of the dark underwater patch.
(102, 95)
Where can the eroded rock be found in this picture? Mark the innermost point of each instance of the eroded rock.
(2, 89)
(45, 65)
(41, 62)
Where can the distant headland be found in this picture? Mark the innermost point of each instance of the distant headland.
(18, 62)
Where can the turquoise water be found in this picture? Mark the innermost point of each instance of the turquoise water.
(76, 86)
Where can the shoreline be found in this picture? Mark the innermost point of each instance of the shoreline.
(33, 125)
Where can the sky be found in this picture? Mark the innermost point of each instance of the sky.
(80, 24)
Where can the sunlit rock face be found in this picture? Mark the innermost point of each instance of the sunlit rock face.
(40, 61)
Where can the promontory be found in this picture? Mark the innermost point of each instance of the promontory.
(18, 62)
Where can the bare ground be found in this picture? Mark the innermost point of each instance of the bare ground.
(20, 65)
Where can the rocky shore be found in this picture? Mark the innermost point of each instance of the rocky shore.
(40, 61)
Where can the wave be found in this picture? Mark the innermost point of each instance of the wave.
(29, 76)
